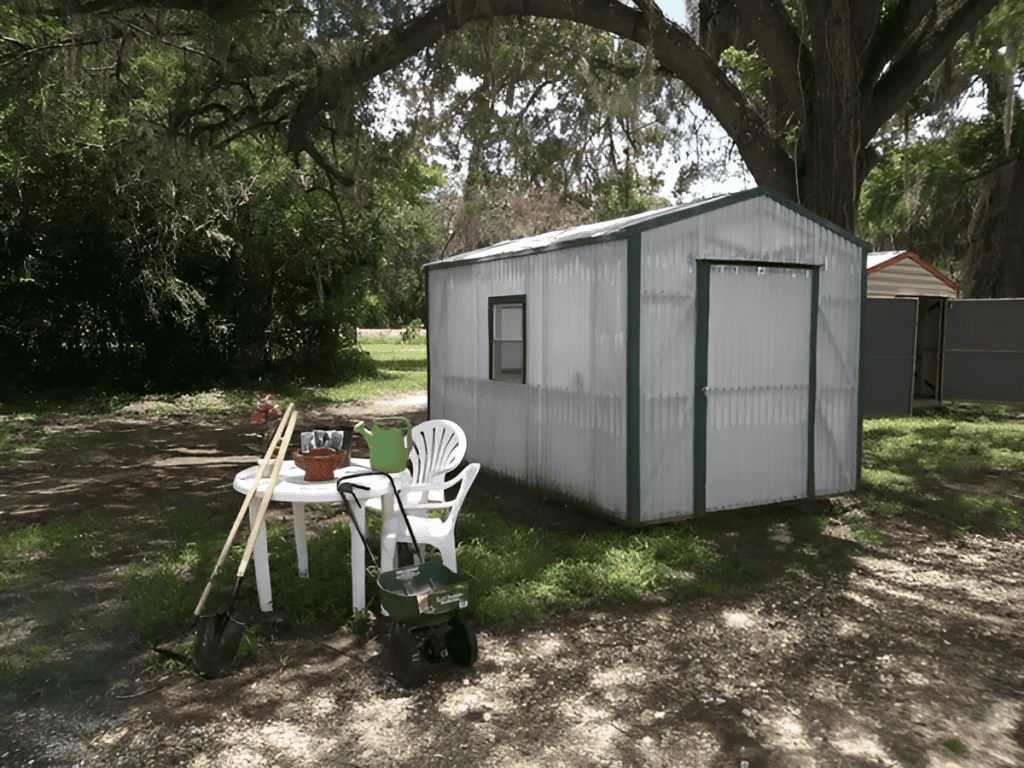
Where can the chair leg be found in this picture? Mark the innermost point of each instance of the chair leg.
(388, 552)
(448, 555)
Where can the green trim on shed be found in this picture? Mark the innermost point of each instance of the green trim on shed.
(700, 399)
(700, 383)
(633, 261)
(860, 367)
(812, 383)
(426, 304)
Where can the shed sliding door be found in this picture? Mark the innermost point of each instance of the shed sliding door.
(758, 385)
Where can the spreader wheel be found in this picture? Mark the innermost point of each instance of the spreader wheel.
(433, 648)
(404, 659)
(461, 641)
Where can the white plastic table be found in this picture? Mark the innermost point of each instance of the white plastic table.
(293, 487)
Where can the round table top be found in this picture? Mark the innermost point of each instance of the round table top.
(292, 485)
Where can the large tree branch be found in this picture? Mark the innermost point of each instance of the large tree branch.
(219, 10)
(865, 22)
(916, 64)
(890, 35)
(675, 50)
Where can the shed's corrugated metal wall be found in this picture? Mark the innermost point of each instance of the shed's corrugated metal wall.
(758, 230)
(837, 422)
(667, 337)
(565, 429)
(906, 278)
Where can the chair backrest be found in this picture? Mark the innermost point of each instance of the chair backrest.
(438, 447)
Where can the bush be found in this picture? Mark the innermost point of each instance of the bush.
(412, 330)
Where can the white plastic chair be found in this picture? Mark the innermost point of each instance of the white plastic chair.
(437, 447)
(431, 531)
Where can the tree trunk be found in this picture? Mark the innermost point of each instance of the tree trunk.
(828, 175)
(995, 256)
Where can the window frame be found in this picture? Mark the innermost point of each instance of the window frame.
(492, 303)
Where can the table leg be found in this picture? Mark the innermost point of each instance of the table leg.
(299, 522)
(358, 559)
(261, 559)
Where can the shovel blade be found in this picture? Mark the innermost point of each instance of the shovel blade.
(217, 640)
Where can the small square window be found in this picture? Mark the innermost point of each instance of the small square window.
(507, 331)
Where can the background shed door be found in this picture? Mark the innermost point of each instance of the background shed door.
(984, 351)
(890, 328)
(758, 385)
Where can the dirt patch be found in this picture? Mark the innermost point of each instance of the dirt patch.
(876, 660)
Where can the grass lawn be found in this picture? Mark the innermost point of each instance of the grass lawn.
(956, 469)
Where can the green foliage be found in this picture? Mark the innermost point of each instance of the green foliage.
(922, 193)
(521, 571)
(624, 193)
(919, 196)
(152, 235)
(752, 72)
(411, 331)
(955, 746)
(561, 126)
(59, 547)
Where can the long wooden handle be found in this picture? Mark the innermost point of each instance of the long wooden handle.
(260, 466)
(267, 495)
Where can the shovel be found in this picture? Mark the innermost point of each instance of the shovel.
(219, 635)
(260, 467)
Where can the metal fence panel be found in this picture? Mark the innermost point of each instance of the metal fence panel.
(984, 351)
(890, 327)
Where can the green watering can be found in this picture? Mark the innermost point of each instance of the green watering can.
(389, 443)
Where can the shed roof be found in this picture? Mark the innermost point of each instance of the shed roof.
(615, 229)
(904, 273)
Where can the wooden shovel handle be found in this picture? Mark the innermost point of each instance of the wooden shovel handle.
(267, 495)
(260, 466)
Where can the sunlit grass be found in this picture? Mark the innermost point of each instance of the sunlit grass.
(28, 553)
(916, 463)
(402, 366)
(521, 571)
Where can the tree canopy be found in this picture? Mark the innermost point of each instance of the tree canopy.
(949, 181)
(153, 235)
(833, 72)
(152, 226)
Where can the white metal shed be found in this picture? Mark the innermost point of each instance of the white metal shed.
(695, 358)
(904, 273)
